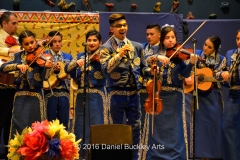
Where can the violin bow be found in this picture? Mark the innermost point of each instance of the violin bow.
(187, 39)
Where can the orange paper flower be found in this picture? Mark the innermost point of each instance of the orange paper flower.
(68, 150)
(35, 144)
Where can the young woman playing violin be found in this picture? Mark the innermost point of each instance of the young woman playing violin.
(28, 104)
(169, 133)
(208, 119)
(96, 111)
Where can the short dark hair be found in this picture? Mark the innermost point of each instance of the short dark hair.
(94, 33)
(115, 17)
(25, 34)
(154, 25)
(6, 17)
(56, 33)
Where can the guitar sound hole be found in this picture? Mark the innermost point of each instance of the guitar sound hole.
(200, 78)
(56, 71)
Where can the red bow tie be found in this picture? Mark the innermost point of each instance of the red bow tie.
(11, 41)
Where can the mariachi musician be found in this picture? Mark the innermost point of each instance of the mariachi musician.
(90, 78)
(169, 125)
(9, 24)
(57, 87)
(208, 118)
(30, 71)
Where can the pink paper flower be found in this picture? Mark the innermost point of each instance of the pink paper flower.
(41, 127)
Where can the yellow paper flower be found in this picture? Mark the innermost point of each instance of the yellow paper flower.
(14, 144)
(56, 128)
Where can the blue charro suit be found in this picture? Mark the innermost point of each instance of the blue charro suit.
(58, 103)
(170, 135)
(231, 113)
(208, 131)
(28, 102)
(96, 107)
(124, 81)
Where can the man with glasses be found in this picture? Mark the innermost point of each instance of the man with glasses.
(122, 65)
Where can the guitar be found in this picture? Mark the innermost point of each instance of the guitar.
(55, 79)
(73, 85)
(204, 79)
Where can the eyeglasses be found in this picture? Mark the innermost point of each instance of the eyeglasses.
(120, 25)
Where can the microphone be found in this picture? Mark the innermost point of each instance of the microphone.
(185, 51)
(194, 40)
(84, 44)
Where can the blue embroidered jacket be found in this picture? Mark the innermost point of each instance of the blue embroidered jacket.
(65, 58)
(233, 64)
(93, 74)
(34, 76)
(118, 70)
(173, 73)
(148, 52)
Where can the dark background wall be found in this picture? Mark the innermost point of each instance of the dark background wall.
(201, 9)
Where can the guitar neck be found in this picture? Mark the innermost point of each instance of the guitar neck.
(208, 79)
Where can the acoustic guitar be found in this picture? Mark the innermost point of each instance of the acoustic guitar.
(73, 85)
(54, 78)
(204, 79)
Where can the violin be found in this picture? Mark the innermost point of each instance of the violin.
(181, 53)
(94, 57)
(39, 57)
(153, 103)
(171, 54)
